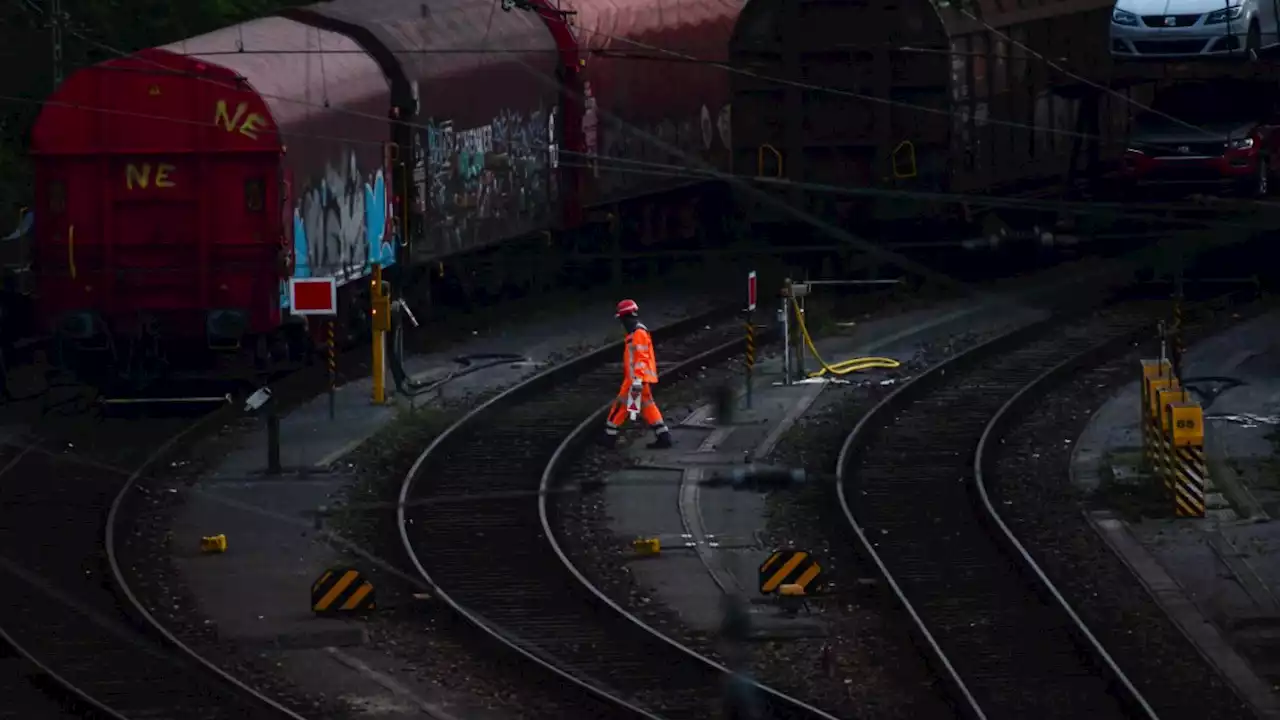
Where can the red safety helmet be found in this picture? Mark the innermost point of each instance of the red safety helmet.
(627, 307)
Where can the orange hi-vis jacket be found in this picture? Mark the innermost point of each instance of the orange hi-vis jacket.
(639, 361)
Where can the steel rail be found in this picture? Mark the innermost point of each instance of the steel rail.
(911, 391)
(514, 397)
(563, 454)
(137, 606)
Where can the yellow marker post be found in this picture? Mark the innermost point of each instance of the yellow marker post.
(379, 336)
(1191, 484)
(1164, 447)
(1151, 414)
(1151, 370)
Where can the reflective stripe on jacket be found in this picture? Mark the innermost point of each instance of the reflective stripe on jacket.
(639, 360)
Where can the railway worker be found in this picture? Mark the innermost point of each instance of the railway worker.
(639, 374)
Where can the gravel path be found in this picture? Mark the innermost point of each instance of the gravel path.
(1032, 487)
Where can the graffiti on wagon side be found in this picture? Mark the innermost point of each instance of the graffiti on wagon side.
(490, 182)
(341, 225)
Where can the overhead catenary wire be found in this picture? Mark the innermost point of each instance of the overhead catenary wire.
(806, 217)
(724, 66)
(612, 38)
(980, 200)
(1153, 212)
(684, 56)
(870, 248)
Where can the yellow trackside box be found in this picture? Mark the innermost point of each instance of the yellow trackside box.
(1186, 421)
(1156, 368)
(1165, 398)
(1154, 388)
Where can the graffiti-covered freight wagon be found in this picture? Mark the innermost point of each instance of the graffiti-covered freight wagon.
(479, 92)
(184, 185)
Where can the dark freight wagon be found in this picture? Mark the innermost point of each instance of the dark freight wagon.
(658, 113)
(974, 97)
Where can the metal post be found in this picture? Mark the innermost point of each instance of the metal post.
(1175, 339)
(379, 356)
(751, 353)
(615, 251)
(331, 347)
(273, 439)
(786, 334)
(799, 330)
(55, 39)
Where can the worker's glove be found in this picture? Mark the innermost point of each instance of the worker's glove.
(633, 407)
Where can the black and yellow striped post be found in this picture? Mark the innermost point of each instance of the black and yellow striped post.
(1152, 370)
(1190, 471)
(788, 567)
(342, 590)
(751, 354)
(331, 347)
(1164, 445)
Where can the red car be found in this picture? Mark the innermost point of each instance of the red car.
(1203, 136)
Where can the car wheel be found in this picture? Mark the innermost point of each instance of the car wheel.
(1263, 187)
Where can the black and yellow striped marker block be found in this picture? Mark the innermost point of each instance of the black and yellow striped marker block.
(788, 567)
(1164, 431)
(1190, 471)
(342, 590)
(1156, 374)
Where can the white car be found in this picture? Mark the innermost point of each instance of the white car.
(1189, 28)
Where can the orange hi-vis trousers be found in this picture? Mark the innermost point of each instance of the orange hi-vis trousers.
(618, 414)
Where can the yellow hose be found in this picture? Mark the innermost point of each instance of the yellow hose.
(844, 367)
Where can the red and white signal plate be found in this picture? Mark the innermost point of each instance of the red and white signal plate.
(313, 296)
(751, 290)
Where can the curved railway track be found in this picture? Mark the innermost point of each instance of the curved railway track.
(78, 634)
(911, 486)
(62, 587)
(472, 517)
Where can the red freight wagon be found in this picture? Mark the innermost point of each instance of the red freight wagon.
(182, 186)
(158, 196)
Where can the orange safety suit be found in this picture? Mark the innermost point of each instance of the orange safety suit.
(639, 372)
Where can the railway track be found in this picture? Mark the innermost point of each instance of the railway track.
(78, 636)
(910, 484)
(496, 561)
(62, 610)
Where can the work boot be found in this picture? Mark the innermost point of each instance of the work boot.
(608, 441)
(661, 443)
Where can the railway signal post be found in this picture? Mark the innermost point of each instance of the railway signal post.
(1189, 473)
(1175, 335)
(318, 297)
(332, 351)
(380, 314)
(751, 332)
